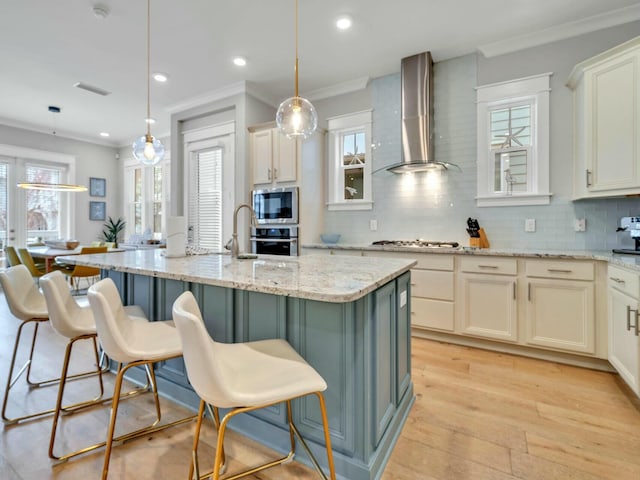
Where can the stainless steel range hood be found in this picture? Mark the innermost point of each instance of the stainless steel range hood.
(417, 117)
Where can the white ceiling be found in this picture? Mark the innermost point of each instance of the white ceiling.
(47, 46)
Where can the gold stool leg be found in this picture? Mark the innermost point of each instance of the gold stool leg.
(327, 436)
(196, 441)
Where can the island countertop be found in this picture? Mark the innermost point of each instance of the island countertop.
(313, 277)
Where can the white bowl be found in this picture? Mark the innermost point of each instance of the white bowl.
(330, 238)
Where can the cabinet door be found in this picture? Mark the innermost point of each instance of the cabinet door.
(560, 315)
(624, 345)
(488, 306)
(262, 156)
(286, 160)
(612, 117)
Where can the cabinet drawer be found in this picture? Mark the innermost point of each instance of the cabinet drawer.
(428, 261)
(624, 280)
(490, 265)
(560, 269)
(432, 284)
(435, 314)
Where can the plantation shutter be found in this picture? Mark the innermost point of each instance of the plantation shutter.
(205, 199)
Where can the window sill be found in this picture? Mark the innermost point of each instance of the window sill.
(351, 205)
(514, 200)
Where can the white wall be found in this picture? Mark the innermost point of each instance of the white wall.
(437, 208)
(91, 161)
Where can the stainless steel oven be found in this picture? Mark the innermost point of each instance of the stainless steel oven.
(276, 205)
(275, 240)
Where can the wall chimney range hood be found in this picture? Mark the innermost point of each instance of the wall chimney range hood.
(417, 117)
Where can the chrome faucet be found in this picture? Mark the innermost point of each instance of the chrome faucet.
(234, 239)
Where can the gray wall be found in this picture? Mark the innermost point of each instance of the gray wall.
(91, 161)
(437, 207)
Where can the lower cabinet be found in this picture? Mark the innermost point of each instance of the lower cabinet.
(560, 311)
(624, 335)
(487, 302)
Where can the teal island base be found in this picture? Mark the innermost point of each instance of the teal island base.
(362, 349)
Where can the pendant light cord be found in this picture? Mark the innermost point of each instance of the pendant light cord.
(296, 64)
(148, 120)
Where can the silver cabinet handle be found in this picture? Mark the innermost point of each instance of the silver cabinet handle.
(529, 292)
(275, 173)
(269, 173)
(558, 270)
(514, 290)
(588, 175)
(628, 317)
(494, 267)
(617, 280)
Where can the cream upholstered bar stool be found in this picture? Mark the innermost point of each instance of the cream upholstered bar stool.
(75, 322)
(245, 377)
(28, 305)
(131, 343)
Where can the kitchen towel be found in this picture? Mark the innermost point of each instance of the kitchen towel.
(176, 237)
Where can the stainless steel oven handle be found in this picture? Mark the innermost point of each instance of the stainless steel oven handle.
(276, 240)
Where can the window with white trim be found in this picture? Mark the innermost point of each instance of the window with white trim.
(350, 162)
(513, 142)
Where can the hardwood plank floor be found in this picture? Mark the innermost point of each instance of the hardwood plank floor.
(478, 415)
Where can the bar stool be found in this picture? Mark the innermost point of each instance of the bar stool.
(244, 377)
(75, 323)
(133, 344)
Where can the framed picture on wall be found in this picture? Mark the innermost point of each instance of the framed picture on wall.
(97, 187)
(97, 210)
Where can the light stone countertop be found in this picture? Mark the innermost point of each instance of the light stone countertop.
(313, 277)
(625, 260)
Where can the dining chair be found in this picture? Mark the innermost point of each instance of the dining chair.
(77, 272)
(27, 260)
(12, 256)
(132, 344)
(244, 377)
(75, 322)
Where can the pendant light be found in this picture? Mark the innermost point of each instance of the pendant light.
(296, 116)
(54, 187)
(148, 149)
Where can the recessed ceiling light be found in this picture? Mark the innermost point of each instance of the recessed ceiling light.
(104, 134)
(150, 120)
(344, 22)
(240, 61)
(160, 77)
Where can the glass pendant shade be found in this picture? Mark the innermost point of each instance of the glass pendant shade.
(148, 150)
(296, 117)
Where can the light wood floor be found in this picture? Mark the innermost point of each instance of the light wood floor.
(478, 415)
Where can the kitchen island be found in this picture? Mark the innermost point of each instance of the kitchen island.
(348, 317)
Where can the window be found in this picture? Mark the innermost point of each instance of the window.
(513, 142)
(350, 162)
(29, 216)
(146, 199)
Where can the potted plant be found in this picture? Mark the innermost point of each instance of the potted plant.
(112, 230)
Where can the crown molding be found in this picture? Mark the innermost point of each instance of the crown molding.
(338, 89)
(222, 93)
(562, 31)
(59, 133)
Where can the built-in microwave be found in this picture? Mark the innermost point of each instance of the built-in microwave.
(276, 205)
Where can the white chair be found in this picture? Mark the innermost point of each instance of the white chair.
(28, 305)
(244, 377)
(131, 343)
(76, 322)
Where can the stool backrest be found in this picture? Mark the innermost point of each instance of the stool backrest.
(84, 271)
(67, 317)
(111, 320)
(23, 296)
(202, 356)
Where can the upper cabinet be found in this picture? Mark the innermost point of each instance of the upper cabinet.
(606, 98)
(274, 157)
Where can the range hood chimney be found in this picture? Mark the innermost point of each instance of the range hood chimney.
(417, 117)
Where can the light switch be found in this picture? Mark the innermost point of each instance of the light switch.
(530, 225)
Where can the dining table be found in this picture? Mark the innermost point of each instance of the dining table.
(49, 254)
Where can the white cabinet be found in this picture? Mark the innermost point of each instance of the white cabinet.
(432, 287)
(624, 338)
(487, 299)
(606, 117)
(560, 311)
(274, 157)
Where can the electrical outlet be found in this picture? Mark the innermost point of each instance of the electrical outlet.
(580, 224)
(530, 225)
(373, 225)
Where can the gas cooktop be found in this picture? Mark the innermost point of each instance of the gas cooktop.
(417, 243)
